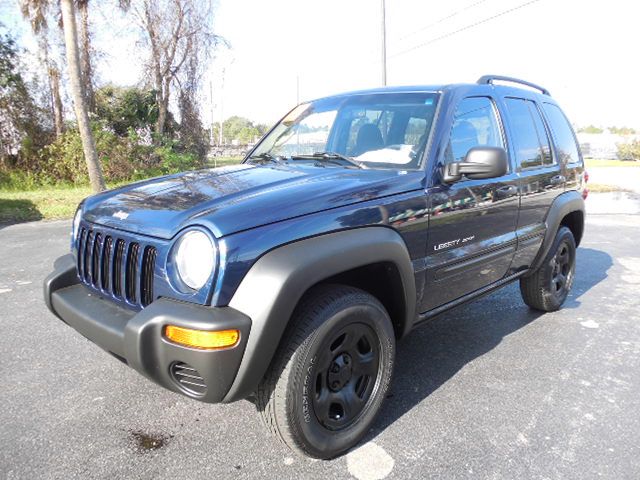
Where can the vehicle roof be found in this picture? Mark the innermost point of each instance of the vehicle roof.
(443, 88)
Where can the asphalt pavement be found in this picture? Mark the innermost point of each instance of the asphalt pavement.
(489, 390)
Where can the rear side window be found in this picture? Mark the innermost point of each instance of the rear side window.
(475, 124)
(562, 134)
(532, 147)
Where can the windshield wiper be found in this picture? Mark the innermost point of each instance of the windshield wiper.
(332, 157)
(266, 156)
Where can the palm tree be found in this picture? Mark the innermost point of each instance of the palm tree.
(85, 53)
(36, 12)
(78, 93)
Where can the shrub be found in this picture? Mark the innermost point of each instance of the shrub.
(123, 159)
(629, 151)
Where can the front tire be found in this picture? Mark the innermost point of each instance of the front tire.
(548, 287)
(331, 372)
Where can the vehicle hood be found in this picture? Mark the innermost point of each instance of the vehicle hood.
(231, 199)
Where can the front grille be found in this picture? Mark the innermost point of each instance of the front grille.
(188, 378)
(115, 266)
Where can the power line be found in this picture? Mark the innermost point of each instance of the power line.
(446, 35)
(439, 21)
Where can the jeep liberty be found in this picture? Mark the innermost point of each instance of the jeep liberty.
(289, 279)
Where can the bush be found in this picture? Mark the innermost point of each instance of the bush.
(125, 108)
(123, 159)
(629, 151)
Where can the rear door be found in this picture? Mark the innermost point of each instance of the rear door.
(472, 225)
(541, 179)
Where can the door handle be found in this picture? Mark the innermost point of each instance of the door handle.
(558, 180)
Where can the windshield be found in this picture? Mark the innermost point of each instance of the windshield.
(383, 130)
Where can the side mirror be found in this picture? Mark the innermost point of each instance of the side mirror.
(480, 162)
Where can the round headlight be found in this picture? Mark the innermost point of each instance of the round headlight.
(195, 258)
(76, 225)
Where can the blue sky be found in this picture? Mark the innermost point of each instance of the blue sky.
(582, 51)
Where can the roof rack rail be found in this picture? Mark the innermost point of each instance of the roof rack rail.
(489, 79)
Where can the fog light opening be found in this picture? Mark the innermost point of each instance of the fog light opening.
(188, 379)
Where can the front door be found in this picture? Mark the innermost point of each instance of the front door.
(472, 226)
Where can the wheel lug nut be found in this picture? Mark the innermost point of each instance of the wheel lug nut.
(335, 369)
(335, 385)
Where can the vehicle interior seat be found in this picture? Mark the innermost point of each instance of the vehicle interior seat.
(369, 138)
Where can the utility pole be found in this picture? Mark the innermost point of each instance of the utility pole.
(212, 138)
(384, 43)
(221, 108)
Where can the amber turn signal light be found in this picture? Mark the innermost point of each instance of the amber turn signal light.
(202, 339)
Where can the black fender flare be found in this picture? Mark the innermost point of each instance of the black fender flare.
(568, 202)
(274, 285)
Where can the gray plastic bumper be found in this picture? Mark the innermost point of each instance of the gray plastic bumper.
(136, 337)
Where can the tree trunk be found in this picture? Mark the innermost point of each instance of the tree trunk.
(163, 109)
(85, 54)
(75, 77)
(58, 121)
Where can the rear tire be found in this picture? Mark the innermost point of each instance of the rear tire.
(331, 372)
(547, 288)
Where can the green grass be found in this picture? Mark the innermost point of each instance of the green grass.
(55, 202)
(598, 162)
(602, 188)
(46, 203)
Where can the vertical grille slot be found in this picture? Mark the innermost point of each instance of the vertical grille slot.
(131, 272)
(87, 257)
(146, 280)
(106, 263)
(80, 252)
(117, 268)
(95, 260)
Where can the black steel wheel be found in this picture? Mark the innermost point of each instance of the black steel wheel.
(345, 376)
(561, 269)
(331, 372)
(548, 287)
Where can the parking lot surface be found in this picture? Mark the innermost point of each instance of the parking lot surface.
(489, 390)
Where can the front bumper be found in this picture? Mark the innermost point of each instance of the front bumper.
(136, 338)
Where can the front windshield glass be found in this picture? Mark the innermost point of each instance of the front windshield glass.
(383, 130)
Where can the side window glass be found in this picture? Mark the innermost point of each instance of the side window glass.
(543, 138)
(528, 151)
(562, 134)
(475, 124)
(308, 136)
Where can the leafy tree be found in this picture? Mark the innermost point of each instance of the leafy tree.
(125, 108)
(177, 33)
(590, 129)
(622, 130)
(242, 130)
(20, 118)
(37, 13)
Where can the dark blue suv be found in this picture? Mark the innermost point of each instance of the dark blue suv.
(288, 279)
